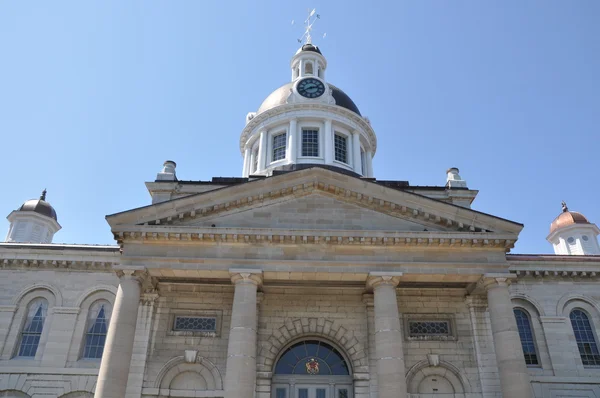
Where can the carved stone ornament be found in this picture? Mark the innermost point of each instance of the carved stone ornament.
(434, 359)
(390, 279)
(246, 276)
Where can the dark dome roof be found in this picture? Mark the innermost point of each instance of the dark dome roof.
(309, 47)
(39, 206)
(279, 97)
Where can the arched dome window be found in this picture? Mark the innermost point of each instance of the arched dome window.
(32, 329)
(312, 357)
(96, 329)
(308, 68)
(526, 335)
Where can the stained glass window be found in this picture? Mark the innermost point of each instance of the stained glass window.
(312, 357)
(429, 328)
(526, 335)
(32, 330)
(279, 143)
(584, 335)
(310, 142)
(97, 328)
(341, 148)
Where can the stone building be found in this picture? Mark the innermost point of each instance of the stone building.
(305, 278)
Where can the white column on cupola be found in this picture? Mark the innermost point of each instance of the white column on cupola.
(328, 136)
(262, 150)
(246, 167)
(292, 140)
(356, 152)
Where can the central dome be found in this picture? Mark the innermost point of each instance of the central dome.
(279, 97)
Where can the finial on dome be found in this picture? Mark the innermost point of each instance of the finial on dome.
(43, 195)
(564, 207)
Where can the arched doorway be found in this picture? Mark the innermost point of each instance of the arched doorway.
(311, 369)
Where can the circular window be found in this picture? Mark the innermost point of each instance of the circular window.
(571, 240)
(585, 238)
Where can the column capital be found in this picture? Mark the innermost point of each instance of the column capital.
(139, 274)
(490, 281)
(377, 279)
(253, 276)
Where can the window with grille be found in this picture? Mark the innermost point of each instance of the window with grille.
(310, 142)
(526, 335)
(341, 148)
(584, 335)
(96, 329)
(32, 329)
(279, 143)
(195, 324)
(428, 328)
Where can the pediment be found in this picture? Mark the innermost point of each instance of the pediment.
(315, 199)
(314, 211)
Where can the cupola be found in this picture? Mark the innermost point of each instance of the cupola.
(34, 222)
(307, 121)
(572, 233)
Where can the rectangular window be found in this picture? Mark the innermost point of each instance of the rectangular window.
(303, 393)
(428, 328)
(279, 143)
(321, 393)
(343, 393)
(341, 148)
(363, 162)
(195, 323)
(310, 142)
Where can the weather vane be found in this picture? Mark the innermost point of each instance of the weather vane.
(308, 23)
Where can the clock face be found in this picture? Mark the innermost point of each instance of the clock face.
(311, 88)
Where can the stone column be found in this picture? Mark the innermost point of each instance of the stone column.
(389, 353)
(292, 150)
(356, 152)
(514, 378)
(328, 142)
(240, 376)
(262, 150)
(116, 359)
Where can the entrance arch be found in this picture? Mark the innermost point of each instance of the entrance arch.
(311, 368)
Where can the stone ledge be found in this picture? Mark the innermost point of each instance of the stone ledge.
(6, 368)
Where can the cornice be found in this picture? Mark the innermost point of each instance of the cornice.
(332, 109)
(346, 195)
(328, 237)
(56, 264)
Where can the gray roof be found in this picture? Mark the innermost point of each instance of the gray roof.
(279, 97)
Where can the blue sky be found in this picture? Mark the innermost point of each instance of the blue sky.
(95, 95)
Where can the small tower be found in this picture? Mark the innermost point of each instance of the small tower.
(34, 222)
(572, 233)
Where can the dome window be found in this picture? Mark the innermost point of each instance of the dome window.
(341, 148)
(571, 240)
(585, 238)
(279, 143)
(310, 142)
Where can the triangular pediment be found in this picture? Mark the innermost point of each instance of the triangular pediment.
(314, 211)
(315, 199)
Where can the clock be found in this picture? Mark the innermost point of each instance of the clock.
(310, 88)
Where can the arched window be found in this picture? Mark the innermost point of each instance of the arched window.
(32, 329)
(311, 357)
(96, 329)
(526, 335)
(586, 341)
